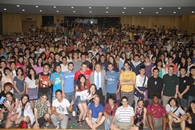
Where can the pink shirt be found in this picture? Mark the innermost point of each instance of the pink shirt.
(160, 110)
(38, 69)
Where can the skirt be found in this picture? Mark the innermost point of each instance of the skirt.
(33, 93)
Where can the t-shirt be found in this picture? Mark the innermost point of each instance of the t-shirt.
(191, 91)
(87, 75)
(112, 79)
(30, 82)
(77, 65)
(2, 99)
(68, 78)
(127, 77)
(44, 83)
(140, 81)
(159, 108)
(183, 83)
(64, 67)
(19, 85)
(170, 83)
(96, 109)
(176, 112)
(124, 115)
(58, 80)
(61, 107)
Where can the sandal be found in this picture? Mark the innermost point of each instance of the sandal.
(79, 123)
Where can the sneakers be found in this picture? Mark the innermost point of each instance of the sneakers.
(73, 113)
(57, 127)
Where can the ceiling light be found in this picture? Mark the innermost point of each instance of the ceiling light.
(160, 8)
(179, 7)
(5, 9)
(192, 12)
(18, 6)
(72, 7)
(54, 7)
(23, 10)
(36, 6)
(174, 12)
(107, 7)
(40, 10)
(142, 8)
(57, 11)
(73, 11)
(124, 8)
(156, 12)
(90, 12)
(106, 11)
(123, 12)
(89, 7)
(140, 12)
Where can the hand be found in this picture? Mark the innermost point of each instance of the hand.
(180, 96)
(175, 96)
(189, 121)
(5, 104)
(142, 92)
(177, 120)
(48, 103)
(72, 102)
(154, 112)
(61, 117)
(117, 91)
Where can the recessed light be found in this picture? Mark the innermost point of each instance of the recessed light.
(156, 12)
(57, 11)
(174, 12)
(72, 7)
(140, 12)
(192, 12)
(73, 11)
(54, 7)
(36, 6)
(90, 12)
(40, 10)
(179, 7)
(23, 10)
(18, 6)
(160, 8)
(106, 11)
(89, 7)
(142, 8)
(107, 7)
(124, 8)
(123, 12)
(5, 9)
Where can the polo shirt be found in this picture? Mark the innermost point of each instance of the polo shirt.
(159, 108)
(96, 109)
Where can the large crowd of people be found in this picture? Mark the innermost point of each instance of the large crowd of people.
(128, 77)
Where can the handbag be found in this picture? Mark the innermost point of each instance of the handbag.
(137, 93)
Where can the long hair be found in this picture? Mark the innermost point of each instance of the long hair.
(174, 100)
(29, 75)
(23, 105)
(79, 82)
(190, 108)
(90, 88)
(13, 98)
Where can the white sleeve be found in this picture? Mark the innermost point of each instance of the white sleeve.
(168, 108)
(181, 111)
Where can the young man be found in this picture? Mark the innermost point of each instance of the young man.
(127, 82)
(191, 92)
(136, 64)
(59, 110)
(57, 60)
(125, 116)
(95, 117)
(184, 86)
(112, 79)
(103, 62)
(170, 62)
(156, 115)
(77, 63)
(155, 85)
(64, 65)
(170, 85)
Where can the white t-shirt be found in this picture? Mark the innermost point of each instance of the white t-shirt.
(61, 107)
(140, 81)
(31, 83)
(64, 67)
(83, 95)
(125, 115)
(177, 112)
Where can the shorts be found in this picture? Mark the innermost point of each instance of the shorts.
(41, 122)
(93, 120)
(183, 102)
(157, 123)
(176, 125)
(123, 125)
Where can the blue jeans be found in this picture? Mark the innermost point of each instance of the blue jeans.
(190, 98)
(69, 96)
(76, 102)
(106, 125)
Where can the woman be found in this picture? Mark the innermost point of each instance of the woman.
(11, 104)
(190, 124)
(174, 112)
(162, 71)
(39, 66)
(18, 83)
(92, 92)
(31, 62)
(148, 65)
(113, 61)
(26, 112)
(8, 77)
(92, 64)
(81, 92)
(140, 114)
(31, 85)
(1, 81)
(70, 57)
(20, 62)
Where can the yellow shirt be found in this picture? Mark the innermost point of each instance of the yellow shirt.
(127, 76)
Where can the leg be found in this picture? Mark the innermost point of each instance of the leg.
(19, 120)
(164, 123)
(170, 121)
(81, 113)
(165, 100)
(89, 122)
(100, 122)
(85, 108)
(54, 119)
(150, 121)
(64, 122)
(135, 99)
(10, 121)
(183, 124)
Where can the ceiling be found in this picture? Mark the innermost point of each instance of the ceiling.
(99, 7)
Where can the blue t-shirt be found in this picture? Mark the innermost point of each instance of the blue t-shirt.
(58, 81)
(96, 110)
(68, 78)
(112, 79)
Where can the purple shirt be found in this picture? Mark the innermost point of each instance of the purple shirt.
(38, 69)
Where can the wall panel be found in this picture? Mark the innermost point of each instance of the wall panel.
(188, 23)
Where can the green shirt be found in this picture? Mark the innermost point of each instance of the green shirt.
(170, 83)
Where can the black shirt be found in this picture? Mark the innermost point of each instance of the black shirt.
(183, 83)
(155, 86)
(191, 91)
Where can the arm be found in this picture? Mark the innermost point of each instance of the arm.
(185, 91)
(132, 120)
(132, 82)
(99, 117)
(26, 86)
(36, 116)
(14, 85)
(145, 112)
(177, 90)
(53, 111)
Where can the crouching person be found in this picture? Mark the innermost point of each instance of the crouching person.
(60, 108)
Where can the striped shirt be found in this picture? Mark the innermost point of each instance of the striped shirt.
(124, 115)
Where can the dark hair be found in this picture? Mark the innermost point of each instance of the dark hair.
(190, 108)
(111, 97)
(29, 75)
(59, 90)
(174, 100)
(126, 63)
(46, 64)
(79, 82)
(8, 84)
(140, 100)
(64, 57)
(95, 88)
(182, 68)
(23, 105)
(124, 97)
(193, 67)
(38, 60)
(70, 63)
(155, 69)
(142, 67)
(19, 68)
(155, 95)
(13, 98)
(6, 68)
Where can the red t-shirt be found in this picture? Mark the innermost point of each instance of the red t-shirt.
(159, 108)
(87, 75)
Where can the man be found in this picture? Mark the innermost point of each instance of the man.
(57, 60)
(109, 112)
(170, 85)
(125, 116)
(155, 85)
(170, 62)
(127, 82)
(77, 63)
(112, 79)
(95, 117)
(191, 92)
(59, 110)
(184, 86)
(103, 62)
(136, 64)
(42, 112)
(156, 115)
(83, 59)
(98, 77)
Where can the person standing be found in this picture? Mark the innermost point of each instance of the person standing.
(191, 92)
(127, 82)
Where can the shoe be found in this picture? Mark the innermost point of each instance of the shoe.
(57, 127)
(73, 113)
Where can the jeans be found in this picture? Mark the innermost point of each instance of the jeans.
(76, 102)
(106, 125)
(190, 98)
(69, 96)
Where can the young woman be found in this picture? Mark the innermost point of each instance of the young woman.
(26, 112)
(31, 62)
(18, 83)
(20, 62)
(190, 124)
(113, 61)
(39, 66)
(8, 77)
(140, 114)
(148, 64)
(162, 71)
(92, 92)
(11, 104)
(92, 64)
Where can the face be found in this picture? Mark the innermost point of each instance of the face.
(98, 68)
(142, 71)
(155, 73)
(58, 95)
(155, 100)
(170, 60)
(24, 99)
(140, 103)
(46, 68)
(96, 100)
(173, 103)
(31, 72)
(7, 72)
(192, 105)
(58, 69)
(136, 59)
(64, 60)
(9, 97)
(83, 68)
(70, 67)
(126, 66)
(110, 67)
(111, 101)
(19, 72)
(170, 70)
(82, 80)
(192, 72)
(92, 88)
(43, 98)
(124, 102)
(182, 71)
